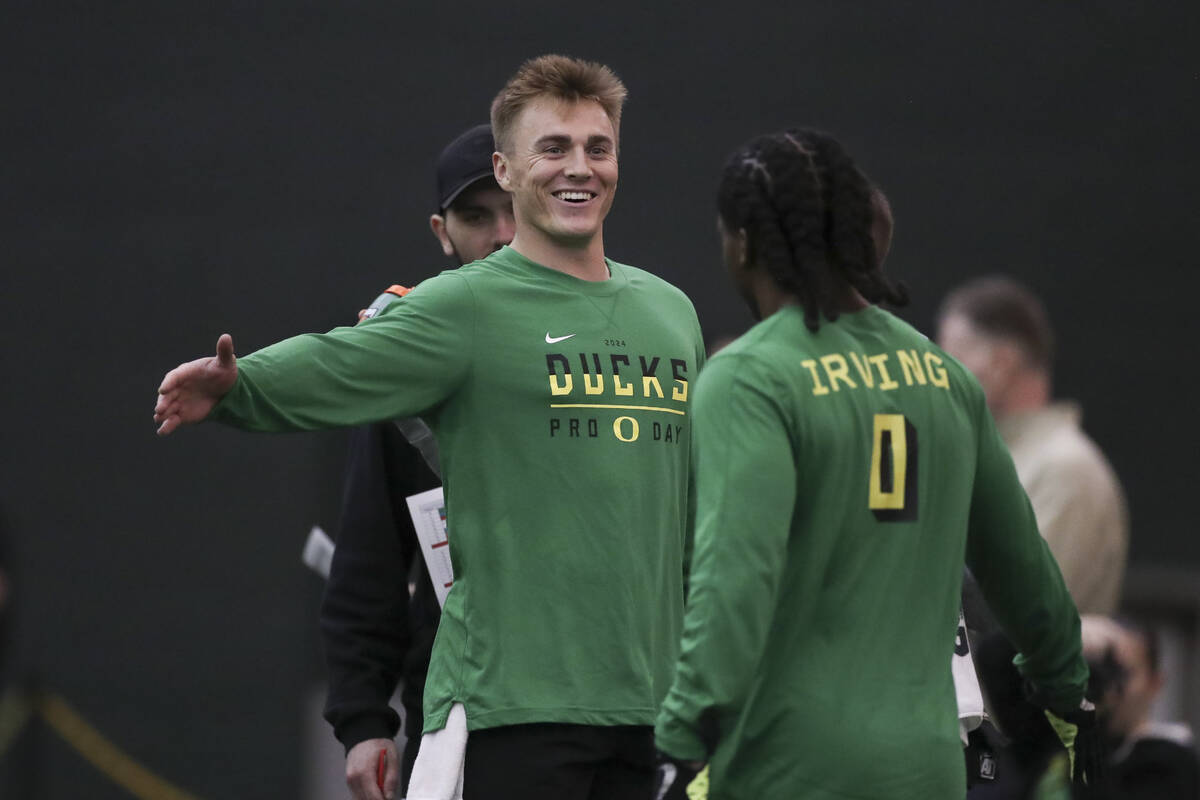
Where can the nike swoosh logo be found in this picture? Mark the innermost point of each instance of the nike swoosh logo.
(556, 339)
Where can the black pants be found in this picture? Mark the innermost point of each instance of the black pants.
(550, 761)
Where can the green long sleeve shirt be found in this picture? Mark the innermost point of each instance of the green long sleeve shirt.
(842, 477)
(562, 413)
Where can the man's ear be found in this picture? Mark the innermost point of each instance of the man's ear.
(500, 171)
(437, 224)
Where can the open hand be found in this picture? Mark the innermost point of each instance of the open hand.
(189, 392)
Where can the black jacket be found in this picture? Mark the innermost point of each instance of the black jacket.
(374, 634)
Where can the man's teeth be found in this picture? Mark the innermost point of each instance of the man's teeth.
(573, 195)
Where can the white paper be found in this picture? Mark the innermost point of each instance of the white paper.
(428, 512)
(318, 551)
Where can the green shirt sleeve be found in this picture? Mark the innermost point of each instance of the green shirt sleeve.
(745, 489)
(401, 363)
(1020, 579)
(689, 528)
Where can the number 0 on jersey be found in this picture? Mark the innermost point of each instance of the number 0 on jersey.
(893, 484)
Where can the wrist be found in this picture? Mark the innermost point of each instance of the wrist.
(364, 727)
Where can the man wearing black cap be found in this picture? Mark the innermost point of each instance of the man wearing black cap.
(374, 634)
(475, 215)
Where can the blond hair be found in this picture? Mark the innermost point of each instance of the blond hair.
(561, 78)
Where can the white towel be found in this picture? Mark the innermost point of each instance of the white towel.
(971, 713)
(438, 771)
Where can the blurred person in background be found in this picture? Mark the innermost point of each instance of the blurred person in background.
(1000, 331)
(1149, 760)
(375, 635)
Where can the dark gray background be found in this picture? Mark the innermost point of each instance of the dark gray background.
(172, 171)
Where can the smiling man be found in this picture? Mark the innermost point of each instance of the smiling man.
(559, 159)
(558, 384)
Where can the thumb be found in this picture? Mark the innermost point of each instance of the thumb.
(225, 356)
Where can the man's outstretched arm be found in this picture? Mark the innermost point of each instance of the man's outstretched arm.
(190, 391)
(400, 363)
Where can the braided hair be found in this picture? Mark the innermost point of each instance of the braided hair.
(807, 212)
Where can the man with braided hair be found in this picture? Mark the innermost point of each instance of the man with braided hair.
(845, 468)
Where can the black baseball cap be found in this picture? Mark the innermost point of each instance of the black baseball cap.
(464, 161)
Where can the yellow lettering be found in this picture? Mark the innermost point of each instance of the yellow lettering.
(633, 429)
(560, 388)
(937, 374)
(620, 389)
(911, 362)
(818, 387)
(864, 370)
(587, 384)
(878, 499)
(679, 373)
(886, 383)
(838, 370)
(650, 377)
